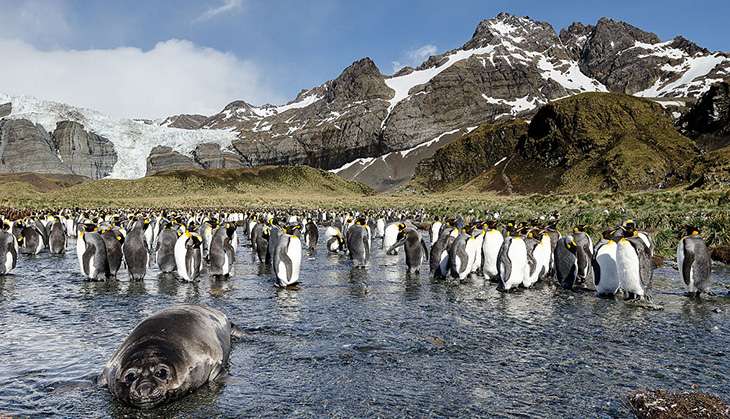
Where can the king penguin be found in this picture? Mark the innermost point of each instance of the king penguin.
(221, 253)
(415, 249)
(460, 259)
(694, 262)
(566, 262)
(288, 257)
(358, 243)
(113, 241)
(604, 264)
(584, 253)
(335, 241)
(56, 237)
(634, 266)
(188, 256)
(512, 261)
(136, 252)
(311, 236)
(91, 252)
(391, 236)
(8, 249)
(165, 247)
(491, 244)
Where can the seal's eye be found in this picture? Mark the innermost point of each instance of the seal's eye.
(130, 377)
(161, 374)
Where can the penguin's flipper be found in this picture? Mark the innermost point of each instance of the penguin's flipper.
(423, 245)
(14, 254)
(86, 258)
(689, 258)
(596, 272)
(393, 247)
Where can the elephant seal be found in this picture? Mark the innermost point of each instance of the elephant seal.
(168, 355)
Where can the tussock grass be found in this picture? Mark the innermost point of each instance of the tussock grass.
(662, 213)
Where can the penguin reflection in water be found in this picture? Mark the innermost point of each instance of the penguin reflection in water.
(415, 248)
(695, 265)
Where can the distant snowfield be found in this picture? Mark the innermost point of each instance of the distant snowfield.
(133, 140)
(690, 70)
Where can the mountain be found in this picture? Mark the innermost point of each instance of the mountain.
(114, 147)
(377, 128)
(511, 66)
(587, 142)
(708, 121)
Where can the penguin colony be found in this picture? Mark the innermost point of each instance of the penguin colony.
(184, 243)
(513, 255)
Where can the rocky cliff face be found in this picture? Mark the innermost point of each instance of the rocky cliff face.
(27, 147)
(5, 109)
(164, 158)
(587, 142)
(84, 153)
(210, 156)
(708, 121)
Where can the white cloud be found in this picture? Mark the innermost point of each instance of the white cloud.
(226, 7)
(415, 57)
(40, 22)
(175, 76)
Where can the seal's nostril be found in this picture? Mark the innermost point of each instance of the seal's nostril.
(145, 389)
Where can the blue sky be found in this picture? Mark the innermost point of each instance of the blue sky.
(275, 48)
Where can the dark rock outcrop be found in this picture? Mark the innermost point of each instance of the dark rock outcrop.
(164, 158)
(5, 109)
(27, 147)
(210, 156)
(708, 121)
(587, 142)
(84, 153)
(184, 121)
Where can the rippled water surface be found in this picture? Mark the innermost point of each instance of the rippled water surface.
(364, 343)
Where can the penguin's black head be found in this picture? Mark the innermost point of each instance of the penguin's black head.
(492, 224)
(629, 225)
(5, 226)
(579, 228)
(608, 234)
(535, 233)
(570, 244)
(691, 230)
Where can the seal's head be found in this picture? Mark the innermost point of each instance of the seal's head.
(145, 375)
